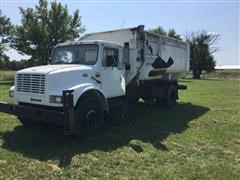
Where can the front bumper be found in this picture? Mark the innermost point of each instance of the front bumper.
(33, 113)
(43, 114)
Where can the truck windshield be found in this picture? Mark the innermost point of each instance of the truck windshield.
(75, 54)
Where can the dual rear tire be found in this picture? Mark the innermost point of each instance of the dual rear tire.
(170, 98)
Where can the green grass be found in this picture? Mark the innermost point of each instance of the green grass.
(197, 139)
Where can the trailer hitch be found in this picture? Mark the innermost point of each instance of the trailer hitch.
(68, 108)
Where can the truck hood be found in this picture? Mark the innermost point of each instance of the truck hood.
(55, 68)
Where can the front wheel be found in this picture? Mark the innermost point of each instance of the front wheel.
(89, 116)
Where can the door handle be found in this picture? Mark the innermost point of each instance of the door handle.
(96, 80)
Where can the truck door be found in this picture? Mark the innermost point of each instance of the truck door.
(112, 75)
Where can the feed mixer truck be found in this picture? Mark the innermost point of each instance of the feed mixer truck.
(97, 75)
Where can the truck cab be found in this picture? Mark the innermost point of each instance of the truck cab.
(90, 69)
(81, 66)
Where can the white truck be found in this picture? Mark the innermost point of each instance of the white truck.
(97, 75)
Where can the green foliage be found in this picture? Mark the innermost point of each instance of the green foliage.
(159, 30)
(6, 29)
(201, 50)
(197, 139)
(171, 32)
(43, 27)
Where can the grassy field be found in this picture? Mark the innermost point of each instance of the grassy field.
(197, 139)
(7, 75)
(219, 74)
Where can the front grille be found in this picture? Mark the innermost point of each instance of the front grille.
(32, 83)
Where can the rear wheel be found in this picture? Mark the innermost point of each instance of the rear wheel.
(170, 98)
(89, 116)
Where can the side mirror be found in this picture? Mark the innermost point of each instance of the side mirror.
(127, 67)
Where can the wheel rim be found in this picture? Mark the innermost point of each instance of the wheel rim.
(90, 119)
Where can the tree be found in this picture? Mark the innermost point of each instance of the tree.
(202, 47)
(43, 27)
(6, 29)
(171, 32)
(159, 30)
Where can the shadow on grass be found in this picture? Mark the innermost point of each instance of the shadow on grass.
(144, 123)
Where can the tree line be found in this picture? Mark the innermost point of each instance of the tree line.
(48, 24)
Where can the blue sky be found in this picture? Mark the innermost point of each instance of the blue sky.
(184, 16)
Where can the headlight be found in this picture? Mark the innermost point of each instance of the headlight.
(55, 99)
(11, 93)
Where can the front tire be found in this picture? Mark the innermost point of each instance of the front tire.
(89, 116)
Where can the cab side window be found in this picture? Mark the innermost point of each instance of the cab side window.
(110, 57)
